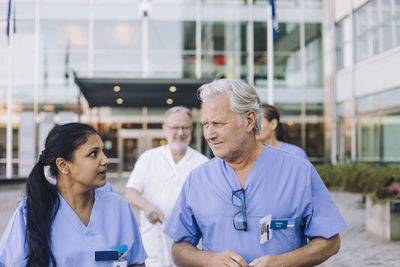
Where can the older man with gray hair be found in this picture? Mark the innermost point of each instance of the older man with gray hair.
(156, 181)
(252, 205)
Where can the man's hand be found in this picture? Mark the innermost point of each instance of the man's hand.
(153, 214)
(266, 261)
(226, 258)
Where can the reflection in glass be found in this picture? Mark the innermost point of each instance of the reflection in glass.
(390, 137)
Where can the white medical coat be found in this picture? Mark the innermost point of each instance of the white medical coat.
(160, 180)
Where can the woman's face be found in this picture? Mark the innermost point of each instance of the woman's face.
(267, 130)
(89, 165)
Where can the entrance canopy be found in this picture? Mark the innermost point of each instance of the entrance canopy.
(114, 92)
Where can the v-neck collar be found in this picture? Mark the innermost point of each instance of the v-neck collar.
(74, 219)
(170, 158)
(233, 180)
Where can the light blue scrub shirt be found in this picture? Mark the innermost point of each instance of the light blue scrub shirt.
(280, 184)
(294, 150)
(112, 223)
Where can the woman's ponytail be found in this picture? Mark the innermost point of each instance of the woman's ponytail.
(42, 205)
(279, 133)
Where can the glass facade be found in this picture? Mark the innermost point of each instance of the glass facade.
(373, 124)
(126, 39)
(378, 127)
(375, 28)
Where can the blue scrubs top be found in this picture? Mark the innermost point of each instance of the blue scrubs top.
(294, 150)
(280, 184)
(112, 223)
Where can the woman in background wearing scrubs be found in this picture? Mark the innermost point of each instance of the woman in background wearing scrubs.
(71, 223)
(272, 132)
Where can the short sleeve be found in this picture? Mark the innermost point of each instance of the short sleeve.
(136, 253)
(13, 248)
(325, 219)
(137, 177)
(304, 155)
(182, 224)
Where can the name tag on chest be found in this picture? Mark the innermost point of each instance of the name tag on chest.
(279, 224)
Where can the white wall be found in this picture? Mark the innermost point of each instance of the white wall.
(343, 85)
(342, 8)
(358, 3)
(379, 73)
(371, 76)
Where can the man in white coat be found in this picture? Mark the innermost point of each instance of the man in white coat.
(156, 181)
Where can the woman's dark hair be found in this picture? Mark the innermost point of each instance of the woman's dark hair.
(270, 112)
(41, 196)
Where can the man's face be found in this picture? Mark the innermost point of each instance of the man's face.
(178, 129)
(222, 127)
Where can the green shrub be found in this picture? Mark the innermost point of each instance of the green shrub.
(357, 177)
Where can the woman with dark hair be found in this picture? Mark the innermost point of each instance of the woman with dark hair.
(272, 133)
(71, 223)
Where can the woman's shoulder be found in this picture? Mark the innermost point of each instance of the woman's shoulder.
(108, 195)
(110, 199)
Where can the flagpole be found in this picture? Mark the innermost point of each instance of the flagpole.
(9, 93)
(250, 43)
(270, 55)
(198, 39)
(36, 72)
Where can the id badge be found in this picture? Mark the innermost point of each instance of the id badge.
(120, 263)
(265, 229)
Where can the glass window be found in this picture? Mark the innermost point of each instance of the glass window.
(390, 136)
(368, 103)
(397, 21)
(360, 30)
(224, 51)
(398, 33)
(315, 140)
(369, 139)
(313, 39)
(387, 24)
(114, 35)
(397, 8)
(287, 69)
(189, 35)
(391, 98)
(287, 56)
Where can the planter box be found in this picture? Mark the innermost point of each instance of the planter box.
(383, 219)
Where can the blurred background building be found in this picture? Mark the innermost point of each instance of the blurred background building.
(119, 64)
(364, 78)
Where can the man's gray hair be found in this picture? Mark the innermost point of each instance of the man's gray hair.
(243, 97)
(175, 109)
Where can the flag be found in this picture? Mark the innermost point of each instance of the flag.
(10, 2)
(275, 24)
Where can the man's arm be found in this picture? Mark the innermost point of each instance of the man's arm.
(185, 254)
(315, 252)
(151, 211)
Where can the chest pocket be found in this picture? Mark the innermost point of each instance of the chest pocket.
(286, 236)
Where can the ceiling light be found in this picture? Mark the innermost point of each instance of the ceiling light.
(172, 89)
(169, 101)
(117, 88)
(48, 108)
(119, 101)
